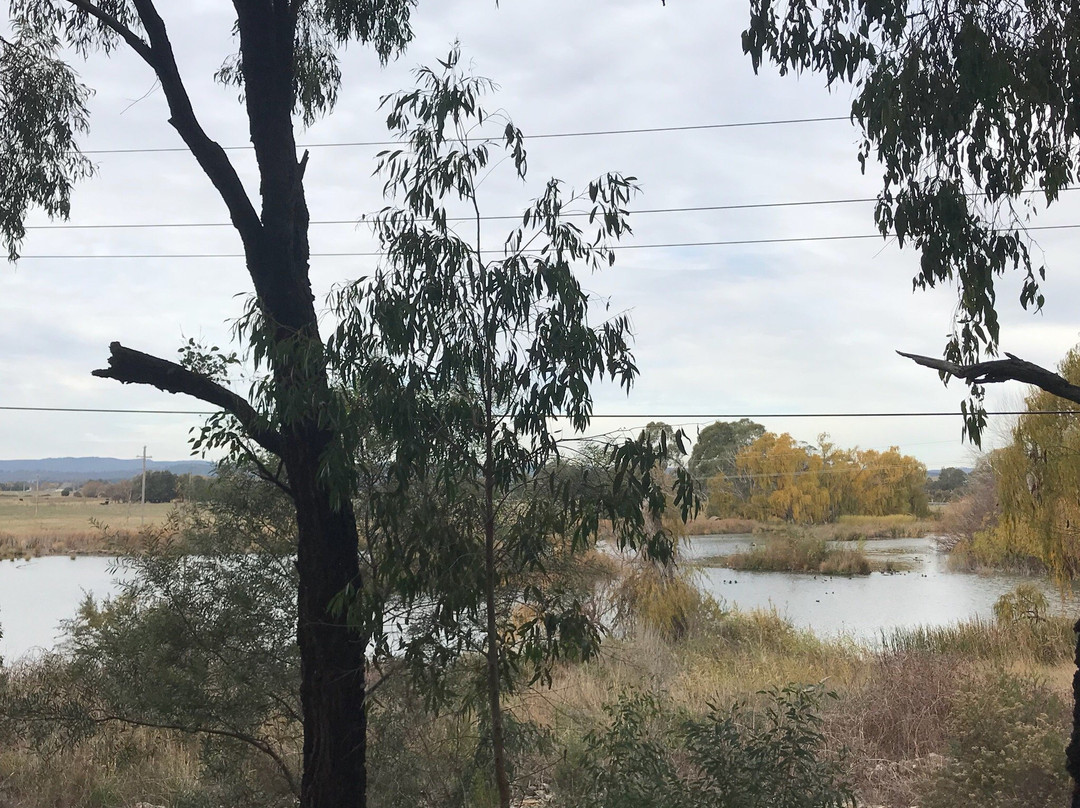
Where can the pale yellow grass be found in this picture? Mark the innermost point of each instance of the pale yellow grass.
(762, 651)
(55, 525)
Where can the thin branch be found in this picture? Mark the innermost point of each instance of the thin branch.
(266, 474)
(128, 366)
(1002, 370)
(134, 41)
(259, 744)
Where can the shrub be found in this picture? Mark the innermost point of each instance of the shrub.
(1005, 745)
(774, 756)
(658, 599)
(1026, 602)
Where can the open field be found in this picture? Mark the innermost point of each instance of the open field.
(49, 524)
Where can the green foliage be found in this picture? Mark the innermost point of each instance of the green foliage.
(949, 483)
(967, 106)
(462, 360)
(200, 643)
(161, 486)
(772, 756)
(718, 444)
(1026, 602)
(42, 110)
(1005, 747)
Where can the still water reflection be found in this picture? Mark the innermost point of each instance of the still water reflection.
(35, 596)
(863, 606)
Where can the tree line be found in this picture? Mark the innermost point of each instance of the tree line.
(754, 474)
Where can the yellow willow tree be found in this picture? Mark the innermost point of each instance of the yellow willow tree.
(839, 468)
(1038, 477)
(888, 482)
(785, 480)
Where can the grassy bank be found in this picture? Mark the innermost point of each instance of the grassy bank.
(805, 554)
(845, 528)
(55, 525)
(975, 714)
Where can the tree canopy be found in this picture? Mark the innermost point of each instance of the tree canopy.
(967, 107)
(717, 445)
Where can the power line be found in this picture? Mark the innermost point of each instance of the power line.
(375, 254)
(107, 410)
(514, 217)
(688, 417)
(511, 217)
(542, 136)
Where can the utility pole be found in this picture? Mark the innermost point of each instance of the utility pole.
(142, 508)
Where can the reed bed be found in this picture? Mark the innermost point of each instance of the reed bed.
(805, 554)
(1049, 640)
(845, 528)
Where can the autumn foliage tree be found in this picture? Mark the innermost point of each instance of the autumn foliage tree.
(796, 482)
(1037, 478)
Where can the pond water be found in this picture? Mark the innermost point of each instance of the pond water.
(37, 595)
(863, 606)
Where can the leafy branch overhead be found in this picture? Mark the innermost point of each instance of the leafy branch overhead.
(970, 110)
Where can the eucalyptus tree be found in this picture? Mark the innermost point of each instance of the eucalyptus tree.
(475, 344)
(970, 108)
(287, 67)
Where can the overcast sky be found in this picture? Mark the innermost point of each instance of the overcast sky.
(752, 329)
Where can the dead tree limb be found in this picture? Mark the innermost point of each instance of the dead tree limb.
(1002, 370)
(129, 366)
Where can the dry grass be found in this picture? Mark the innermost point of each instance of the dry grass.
(893, 526)
(714, 526)
(55, 525)
(804, 553)
(724, 656)
(1048, 641)
(846, 528)
(116, 768)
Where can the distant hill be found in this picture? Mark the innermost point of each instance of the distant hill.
(80, 469)
(937, 472)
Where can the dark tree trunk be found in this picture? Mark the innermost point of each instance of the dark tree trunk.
(1072, 752)
(275, 240)
(331, 655)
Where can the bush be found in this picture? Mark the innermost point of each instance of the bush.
(1026, 602)
(1006, 747)
(774, 756)
(664, 600)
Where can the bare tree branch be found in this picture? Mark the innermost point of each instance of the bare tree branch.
(211, 157)
(1002, 370)
(260, 744)
(135, 367)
